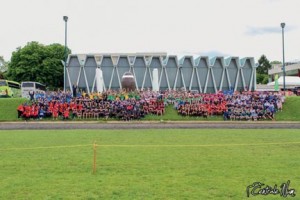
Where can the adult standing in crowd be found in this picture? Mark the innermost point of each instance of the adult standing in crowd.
(31, 95)
(74, 90)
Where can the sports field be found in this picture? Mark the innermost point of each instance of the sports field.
(146, 164)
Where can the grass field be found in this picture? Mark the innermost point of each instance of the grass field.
(291, 112)
(146, 164)
(8, 108)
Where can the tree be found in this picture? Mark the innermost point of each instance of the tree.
(263, 65)
(38, 62)
(3, 67)
(262, 70)
(262, 78)
(275, 62)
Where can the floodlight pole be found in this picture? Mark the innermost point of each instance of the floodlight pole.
(283, 60)
(65, 51)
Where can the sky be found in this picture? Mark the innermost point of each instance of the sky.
(244, 28)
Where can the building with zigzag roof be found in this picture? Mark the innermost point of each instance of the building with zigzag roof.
(207, 75)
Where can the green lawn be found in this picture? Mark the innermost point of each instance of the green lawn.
(291, 110)
(151, 164)
(8, 108)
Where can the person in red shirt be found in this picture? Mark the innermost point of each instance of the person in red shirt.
(20, 110)
(55, 113)
(36, 112)
(66, 114)
(60, 109)
(27, 112)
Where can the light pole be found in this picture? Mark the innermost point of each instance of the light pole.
(283, 61)
(65, 52)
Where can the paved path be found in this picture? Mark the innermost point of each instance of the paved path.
(147, 125)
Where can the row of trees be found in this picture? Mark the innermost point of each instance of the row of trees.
(37, 62)
(42, 63)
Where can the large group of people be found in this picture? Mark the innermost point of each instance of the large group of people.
(253, 106)
(201, 105)
(111, 104)
(232, 106)
(133, 105)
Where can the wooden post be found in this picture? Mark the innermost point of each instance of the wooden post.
(95, 157)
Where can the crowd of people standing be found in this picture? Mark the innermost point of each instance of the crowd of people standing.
(133, 105)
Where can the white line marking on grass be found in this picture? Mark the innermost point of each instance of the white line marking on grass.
(193, 145)
(151, 145)
(49, 147)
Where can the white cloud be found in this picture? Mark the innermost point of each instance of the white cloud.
(154, 25)
(254, 31)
